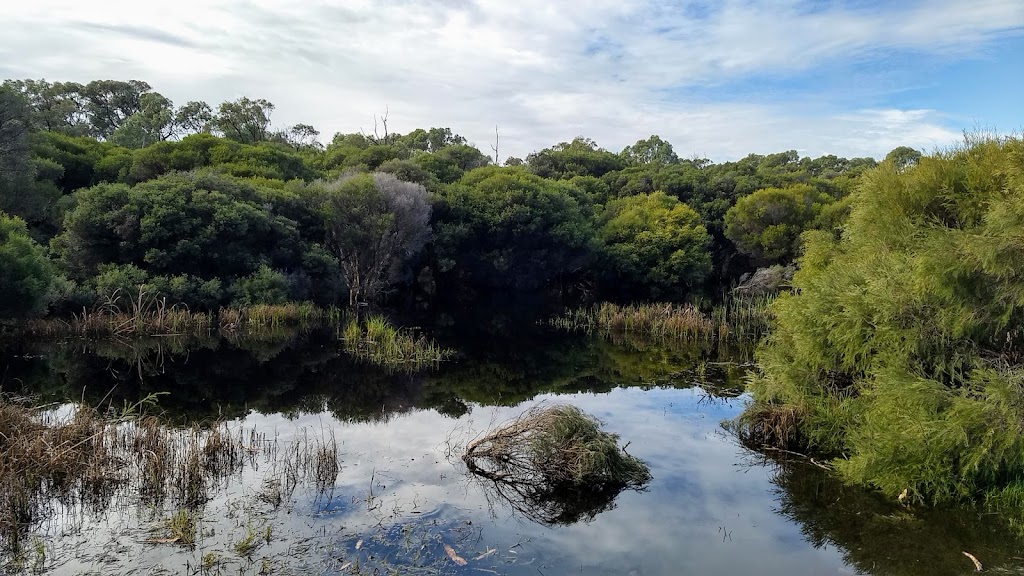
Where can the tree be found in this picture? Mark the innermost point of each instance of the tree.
(303, 136)
(654, 245)
(505, 227)
(22, 194)
(26, 275)
(653, 150)
(581, 157)
(154, 122)
(198, 223)
(767, 224)
(55, 107)
(375, 224)
(110, 103)
(244, 120)
(903, 157)
(14, 132)
(193, 118)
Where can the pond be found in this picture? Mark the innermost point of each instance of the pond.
(403, 503)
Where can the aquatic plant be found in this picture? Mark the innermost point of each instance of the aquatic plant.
(743, 319)
(377, 341)
(79, 459)
(555, 464)
(144, 314)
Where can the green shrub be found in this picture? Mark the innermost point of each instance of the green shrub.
(26, 275)
(265, 286)
(900, 348)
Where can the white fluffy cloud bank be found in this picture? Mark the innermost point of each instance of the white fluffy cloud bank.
(543, 71)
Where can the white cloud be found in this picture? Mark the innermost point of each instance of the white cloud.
(543, 71)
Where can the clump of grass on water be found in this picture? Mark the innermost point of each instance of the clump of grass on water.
(377, 341)
(555, 465)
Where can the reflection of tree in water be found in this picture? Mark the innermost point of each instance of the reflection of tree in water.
(223, 378)
(885, 539)
(220, 379)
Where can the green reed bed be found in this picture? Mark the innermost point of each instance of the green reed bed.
(377, 341)
(272, 316)
(155, 317)
(740, 319)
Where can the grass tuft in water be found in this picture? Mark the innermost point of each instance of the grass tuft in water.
(555, 464)
(378, 342)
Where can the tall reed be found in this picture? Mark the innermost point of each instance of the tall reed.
(738, 319)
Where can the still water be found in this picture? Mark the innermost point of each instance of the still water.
(404, 504)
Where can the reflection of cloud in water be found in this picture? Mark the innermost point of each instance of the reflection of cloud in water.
(703, 512)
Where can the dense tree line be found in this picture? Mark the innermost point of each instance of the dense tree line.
(114, 187)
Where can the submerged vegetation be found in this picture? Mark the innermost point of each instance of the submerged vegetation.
(555, 465)
(900, 348)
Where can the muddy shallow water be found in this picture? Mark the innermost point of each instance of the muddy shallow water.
(403, 503)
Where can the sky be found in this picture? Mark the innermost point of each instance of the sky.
(718, 79)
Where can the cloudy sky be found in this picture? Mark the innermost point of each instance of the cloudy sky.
(718, 79)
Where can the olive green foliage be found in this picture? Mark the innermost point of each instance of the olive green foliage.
(120, 285)
(505, 227)
(26, 276)
(264, 286)
(655, 245)
(185, 223)
(374, 225)
(96, 170)
(581, 157)
(767, 224)
(900, 348)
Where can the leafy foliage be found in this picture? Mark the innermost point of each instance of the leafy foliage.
(656, 246)
(767, 224)
(901, 347)
(26, 276)
(505, 227)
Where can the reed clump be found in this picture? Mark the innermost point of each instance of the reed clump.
(742, 319)
(275, 316)
(555, 464)
(80, 461)
(377, 341)
(143, 314)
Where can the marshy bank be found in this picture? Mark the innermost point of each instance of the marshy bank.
(61, 465)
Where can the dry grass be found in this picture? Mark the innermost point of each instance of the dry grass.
(81, 460)
(147, 315)
(555, 465)
(772, 426)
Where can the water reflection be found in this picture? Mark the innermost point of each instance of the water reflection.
(402, 495)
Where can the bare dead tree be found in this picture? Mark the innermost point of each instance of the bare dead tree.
(495, 146)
